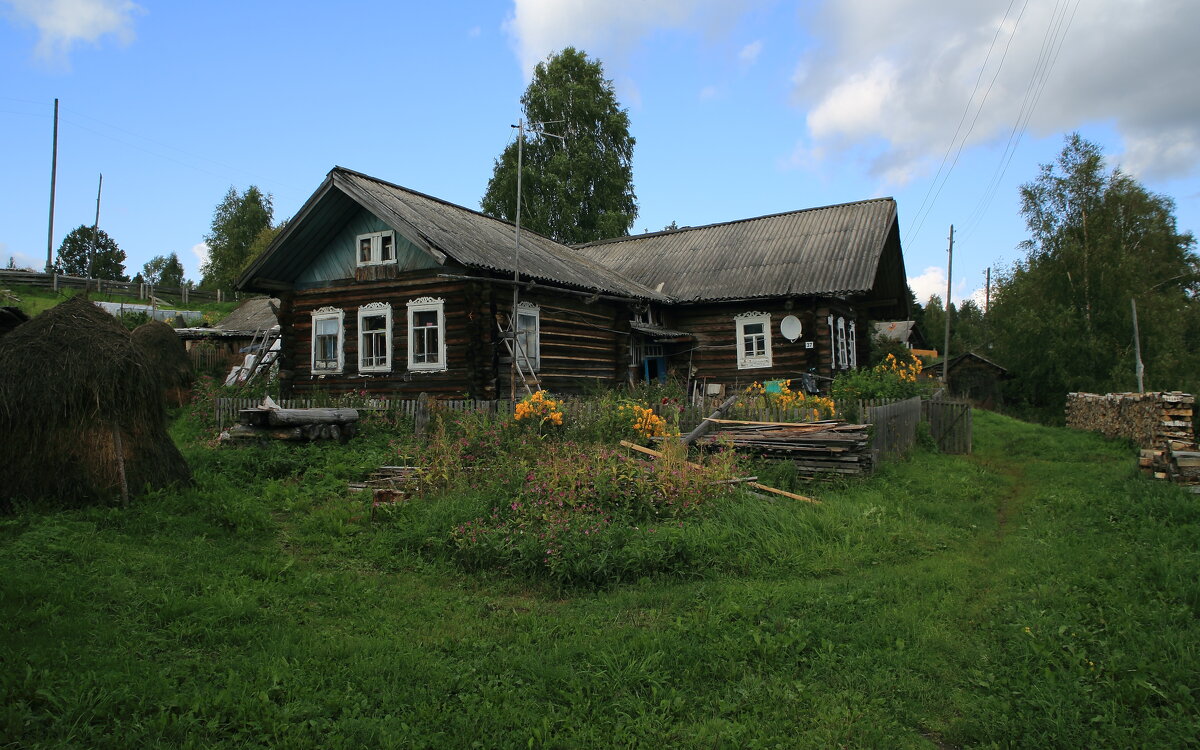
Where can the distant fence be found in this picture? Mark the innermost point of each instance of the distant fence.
(950, 424)
(142, 291)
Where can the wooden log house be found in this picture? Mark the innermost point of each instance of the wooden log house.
(393, 292)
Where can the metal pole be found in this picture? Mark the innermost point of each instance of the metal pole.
(1137, 346)
(946, 341)
(53, 179)
(512, 323)
(95, 233)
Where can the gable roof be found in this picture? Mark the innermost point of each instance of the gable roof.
(833, 250)
(445, 231)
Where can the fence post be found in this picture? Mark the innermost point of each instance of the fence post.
(421, 418)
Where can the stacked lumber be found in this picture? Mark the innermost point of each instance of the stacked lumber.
(1160, 423)
(390, 484)
(269, 422)
(827, 447)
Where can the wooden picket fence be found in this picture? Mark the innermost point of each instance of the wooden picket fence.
(58, 281)
(894, 426)
(950, 424)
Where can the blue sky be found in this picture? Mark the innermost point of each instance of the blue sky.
(738, 109)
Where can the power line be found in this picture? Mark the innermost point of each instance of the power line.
(1052, 44)
(919, 217)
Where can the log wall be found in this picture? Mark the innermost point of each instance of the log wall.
(713, 356)
(584, 341)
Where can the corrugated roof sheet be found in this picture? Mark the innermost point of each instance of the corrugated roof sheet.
(829, 250)
(255, 314)
(442, 229)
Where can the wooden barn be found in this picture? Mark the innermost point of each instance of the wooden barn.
(393, 292)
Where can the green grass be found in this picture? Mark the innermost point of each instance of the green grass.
(1036, 594)
(36, 300)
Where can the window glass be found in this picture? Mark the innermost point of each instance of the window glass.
(425, 336)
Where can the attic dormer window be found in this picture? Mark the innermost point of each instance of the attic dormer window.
(376, 248)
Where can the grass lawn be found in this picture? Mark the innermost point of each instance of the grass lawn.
(1035, 594)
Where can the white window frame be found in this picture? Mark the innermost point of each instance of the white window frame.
(533, 354)
(853, 346)
(329, 313)
(842, 360)
(375, 310)
(757, 360)
(377, 242)
(427, 304)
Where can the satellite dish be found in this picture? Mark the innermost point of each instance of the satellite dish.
(790, 328)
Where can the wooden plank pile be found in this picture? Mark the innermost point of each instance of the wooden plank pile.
(826, 447)
(269, 422)
(1161, 423)
(389, 485)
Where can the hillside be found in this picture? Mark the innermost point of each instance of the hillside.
(1038, 593)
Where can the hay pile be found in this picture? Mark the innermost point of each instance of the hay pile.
(80, 411)
(10, 318)
(168, 360)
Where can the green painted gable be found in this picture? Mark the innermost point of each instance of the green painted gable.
(339, 259)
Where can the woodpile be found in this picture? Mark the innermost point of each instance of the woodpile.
(1160, 423)
(826, 447)
(389, 485)
(269, 422)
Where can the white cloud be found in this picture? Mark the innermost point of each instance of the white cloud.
(749, 54)
(540, 28)
(200, 250)
(19, 259)
(708, 93)
(896, 76)
(931, 281)
(63, 23)
(474, 32)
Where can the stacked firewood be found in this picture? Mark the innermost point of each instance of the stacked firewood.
(389, 485)
(827, 447)
(269, 422)
(1160, 423)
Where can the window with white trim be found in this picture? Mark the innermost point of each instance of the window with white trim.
(426, 334)
(376, 248)
(753, 340)
(842, 360)
(327, 349)
(529, 336)
(375, 337)
(853, 346)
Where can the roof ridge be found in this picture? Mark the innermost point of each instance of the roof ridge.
(442, 201)
(664, 232)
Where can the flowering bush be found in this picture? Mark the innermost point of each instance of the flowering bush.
(813, 406)
(645, 423)
(894, 378)
(595, 516)
(539, 409)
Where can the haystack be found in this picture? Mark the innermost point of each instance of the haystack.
(10, 318)
(168, 360)
(80, 412)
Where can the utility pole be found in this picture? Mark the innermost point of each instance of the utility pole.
(95, 233)
(516, 298)
(53, 179)
(512, 323)
(946, 341)
(1137, 346)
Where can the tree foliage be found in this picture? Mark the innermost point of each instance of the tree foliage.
(91, 253)
(237, 223)
(163, 270)
(578, 188)
(1061, 317)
